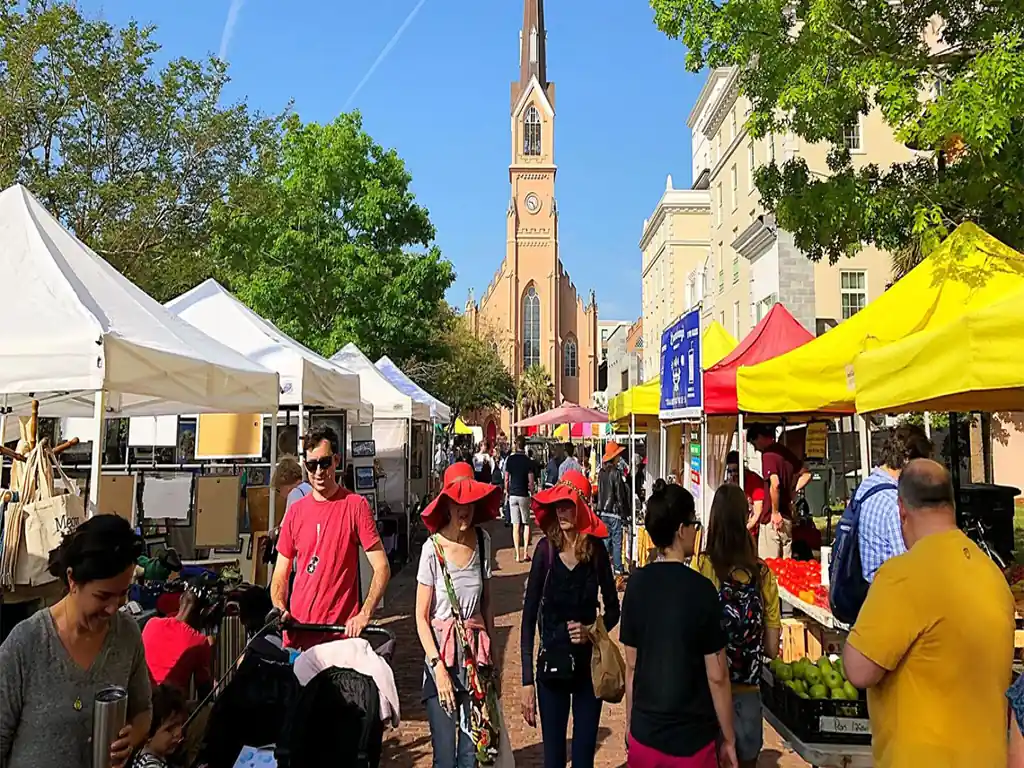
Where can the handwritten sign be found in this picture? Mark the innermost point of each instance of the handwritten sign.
(854, 725)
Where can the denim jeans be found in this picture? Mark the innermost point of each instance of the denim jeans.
(555, 700)
(453, 747)
(614, 541)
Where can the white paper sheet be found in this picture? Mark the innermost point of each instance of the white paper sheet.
(166, 497)
(149, 431)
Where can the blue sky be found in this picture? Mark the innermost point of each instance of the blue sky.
(440, 96)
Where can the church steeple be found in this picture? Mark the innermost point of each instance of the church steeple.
(533, 52)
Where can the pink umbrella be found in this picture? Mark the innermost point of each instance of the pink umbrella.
(566, 413)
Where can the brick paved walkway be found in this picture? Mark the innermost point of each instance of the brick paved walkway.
(409, 746)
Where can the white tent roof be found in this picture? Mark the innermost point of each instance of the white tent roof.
(388, 401)
(306, 377)
(439, 412)
(73, 325)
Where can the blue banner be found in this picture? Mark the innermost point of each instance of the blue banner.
(681, 373)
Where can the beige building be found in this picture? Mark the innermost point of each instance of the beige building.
(674, 243)
(531, 302)
(751, 263)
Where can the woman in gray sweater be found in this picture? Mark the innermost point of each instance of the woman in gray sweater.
(53, 663)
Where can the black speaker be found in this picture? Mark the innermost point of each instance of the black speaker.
(993, 506)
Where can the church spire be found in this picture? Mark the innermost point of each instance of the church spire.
(533, 44)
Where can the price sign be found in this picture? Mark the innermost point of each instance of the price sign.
(844, 725)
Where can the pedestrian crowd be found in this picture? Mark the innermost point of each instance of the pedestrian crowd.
(931, 641)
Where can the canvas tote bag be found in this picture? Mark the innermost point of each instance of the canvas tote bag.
(39, 522)
(607, 667)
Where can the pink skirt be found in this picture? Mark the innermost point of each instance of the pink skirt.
(645, 757)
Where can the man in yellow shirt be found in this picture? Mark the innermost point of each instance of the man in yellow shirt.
(933, 643)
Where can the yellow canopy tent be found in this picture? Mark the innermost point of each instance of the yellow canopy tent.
(461, 428)
(716, 343)
(971, 269)
(970, 364)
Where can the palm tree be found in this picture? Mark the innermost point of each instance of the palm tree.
(536, 391)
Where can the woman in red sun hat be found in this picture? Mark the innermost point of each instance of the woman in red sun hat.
(455, 621)
(569, 569)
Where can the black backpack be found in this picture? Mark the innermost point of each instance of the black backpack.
(847, 586)
(334, 721)
(743, 623)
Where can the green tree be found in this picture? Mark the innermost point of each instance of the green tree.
(811, 66)
(470, 374)
(130, 157)
(536, 391)
(328, 243)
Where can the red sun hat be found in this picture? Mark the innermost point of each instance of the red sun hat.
(575, 487)
(460, 487)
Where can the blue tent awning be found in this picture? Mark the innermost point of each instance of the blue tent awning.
(439, 412)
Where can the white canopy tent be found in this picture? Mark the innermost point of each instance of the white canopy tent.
(83, 340)
(307, 379)
(388, 401)
(439, 412)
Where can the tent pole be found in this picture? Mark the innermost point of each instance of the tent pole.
(3, 431)
(704, 470)
(408, 497)
(300, 430)
(928, 424)
(741, 449)
(632, 462)
(662, 450)
(863, 430)
(99, 414)
(272, 497)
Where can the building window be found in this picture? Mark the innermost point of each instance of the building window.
(531, 328)
(771, 147)
(751, 164)
(732, 124)
(624, 380)
(531, 132)
(569, 367)
(721, 277)
(853, 288)
(734, 179)
(736, 319)
(720, 207)
(735, 268)
(851, 135)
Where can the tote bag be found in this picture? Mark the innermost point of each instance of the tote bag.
(607, 667)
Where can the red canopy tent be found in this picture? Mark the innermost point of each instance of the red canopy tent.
(777, 333)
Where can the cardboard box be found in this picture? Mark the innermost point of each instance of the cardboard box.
(822, 641)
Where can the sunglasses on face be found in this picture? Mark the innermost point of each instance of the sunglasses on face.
(322, 463)
(696, 525)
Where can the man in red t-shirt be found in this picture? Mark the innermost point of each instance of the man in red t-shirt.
(176, 651)
(784, 475)
(322, 534)
(753, 487)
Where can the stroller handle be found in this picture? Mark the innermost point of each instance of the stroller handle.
(371, 630)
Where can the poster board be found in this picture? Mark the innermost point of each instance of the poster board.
(217, 512)
(229, 436)
(257, 499)
(117, 496)
(259, 568)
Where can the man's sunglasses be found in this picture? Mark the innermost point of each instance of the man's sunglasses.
(696, 525)
(322, 463)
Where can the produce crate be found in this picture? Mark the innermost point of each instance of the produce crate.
(820, 721)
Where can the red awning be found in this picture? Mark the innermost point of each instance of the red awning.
(777, 333)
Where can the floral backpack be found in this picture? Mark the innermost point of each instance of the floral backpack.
(743, 622)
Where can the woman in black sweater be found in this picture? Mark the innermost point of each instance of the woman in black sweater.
(569, 569)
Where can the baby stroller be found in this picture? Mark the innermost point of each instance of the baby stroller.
(333, 721)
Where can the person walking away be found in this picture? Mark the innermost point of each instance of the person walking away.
(554, 462)
(784, 476)
(322, 535)
(54, 663)
(177, 653)
(455, 615)
(751, 616)
(570, 569)
(519, 479)
(166, 732)
(753, 487)
(612, 506)
(287, 481)
(483, 464)
(569, 463)
(929, 611)
(679, 710)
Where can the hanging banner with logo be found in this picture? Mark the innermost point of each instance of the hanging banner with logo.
(681, 373)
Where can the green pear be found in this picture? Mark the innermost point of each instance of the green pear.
(832, 679)
(784, 673)
(818, 692)
(792, 685)
(824, 664)
(839, 667)
(802, 695)
(838, 693)
(851, 693)
(798, 669)
(812, 675)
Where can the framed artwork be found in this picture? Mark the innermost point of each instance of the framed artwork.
(230, 550)
(364, 449)
(365, 480)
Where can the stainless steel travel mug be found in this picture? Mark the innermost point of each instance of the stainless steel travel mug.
(109, 716)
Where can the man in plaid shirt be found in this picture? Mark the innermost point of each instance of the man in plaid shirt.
(881, 534)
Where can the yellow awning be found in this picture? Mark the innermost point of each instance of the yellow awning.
(716, 343)
(461, 428)
(970, 364)
(970, 270)
(640, 401)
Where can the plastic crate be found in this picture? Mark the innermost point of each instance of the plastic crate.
(823, 721)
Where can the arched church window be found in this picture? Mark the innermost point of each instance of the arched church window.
(570, 368)
(531, 132)
(531, 328)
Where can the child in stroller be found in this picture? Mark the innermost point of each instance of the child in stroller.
(334, 720)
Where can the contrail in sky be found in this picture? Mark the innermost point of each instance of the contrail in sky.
(229, 28)
(384, 53)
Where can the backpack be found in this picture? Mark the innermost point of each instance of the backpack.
(743, 623)
(335, 721)
(848, 587)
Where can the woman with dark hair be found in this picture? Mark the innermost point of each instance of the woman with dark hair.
(55, 662)
(749, 595)
(570, 568)
(678, 703)
(455, 618)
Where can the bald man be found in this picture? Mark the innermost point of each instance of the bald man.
(933, 643)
